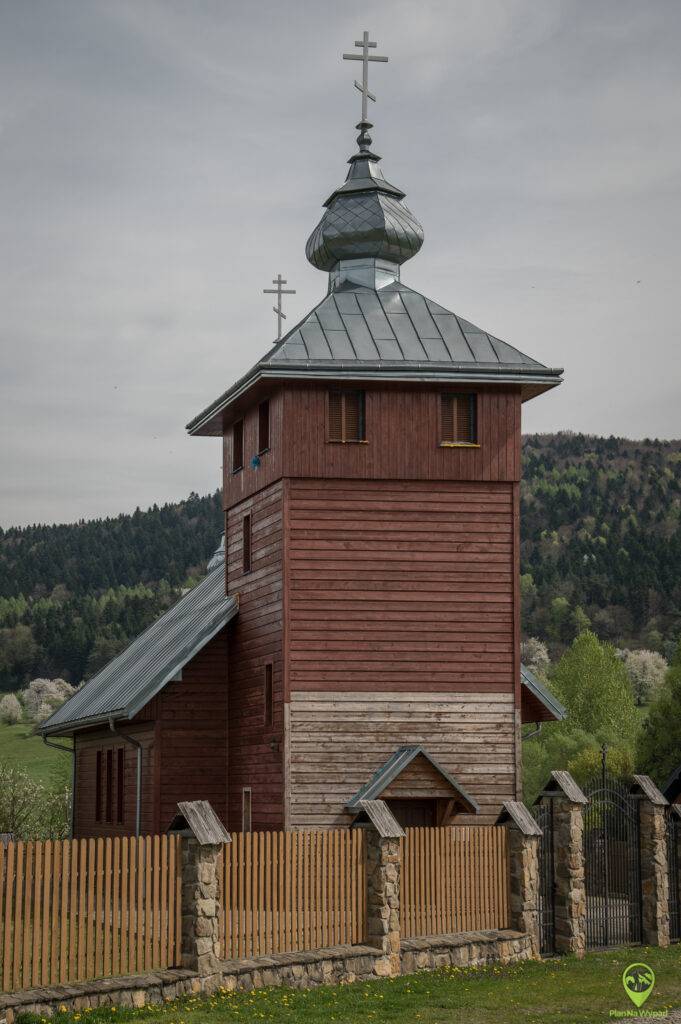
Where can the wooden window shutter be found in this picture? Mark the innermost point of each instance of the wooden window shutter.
(246, 536)
(238, 446)
(346, 416)
(447, 418)
(457, 417)
(263, 427)
(335, 416)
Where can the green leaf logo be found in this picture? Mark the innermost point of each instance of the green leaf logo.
(638, 981)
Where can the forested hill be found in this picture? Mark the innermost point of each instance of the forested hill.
(601, 539)
(601, 523)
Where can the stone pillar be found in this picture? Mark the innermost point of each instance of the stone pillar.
(654, 867)
(383, 900)
(570, 887)
(523, 852)
(200, 910)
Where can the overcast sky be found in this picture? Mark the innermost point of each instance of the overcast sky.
(162, 160)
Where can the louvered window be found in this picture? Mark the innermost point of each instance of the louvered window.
(458, 419)
(346, 416)
(109, 784)
(120, 785)
(246, 529)
(238, 446)
(263, 427)
(98, 787)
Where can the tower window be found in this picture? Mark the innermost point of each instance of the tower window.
(246, 809)
(268, 696)
(238, 446)
(458, 419)
(346, 416)
(263, 427)
(246, 532)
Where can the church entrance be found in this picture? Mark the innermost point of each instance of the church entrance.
(414, 813)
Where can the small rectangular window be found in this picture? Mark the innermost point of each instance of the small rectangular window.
(120, 784)
(246, 534)
(458, 419)
(268, 697)
(263, 427)
(238, 446)
(346, 416)
(109, 784)
(98, 787)
(246, 809)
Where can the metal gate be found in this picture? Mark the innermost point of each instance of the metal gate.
(611, 863)
(673, 840)
(544, 817)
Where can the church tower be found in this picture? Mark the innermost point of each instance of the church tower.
(371, 494)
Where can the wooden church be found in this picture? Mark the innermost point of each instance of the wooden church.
(358, 634)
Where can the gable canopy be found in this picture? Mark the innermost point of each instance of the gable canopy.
(127, 683)
(537, 702)
(396, 764)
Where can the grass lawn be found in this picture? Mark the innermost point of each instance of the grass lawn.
(564, 989)
(19, 746)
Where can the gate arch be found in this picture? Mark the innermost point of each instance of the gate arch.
(612, 863)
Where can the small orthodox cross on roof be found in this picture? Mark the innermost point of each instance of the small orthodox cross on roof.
(364, 45)
(279, 291)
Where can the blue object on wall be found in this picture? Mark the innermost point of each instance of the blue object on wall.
(255, 461)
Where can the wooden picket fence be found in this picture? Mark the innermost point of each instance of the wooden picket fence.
(454, 879)
(77, 909)
(289, 891)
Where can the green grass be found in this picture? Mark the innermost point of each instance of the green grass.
(19, 746)
(564, 989)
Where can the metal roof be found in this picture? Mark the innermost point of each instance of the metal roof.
(126, 684)
(538, 690)
(393, 767)
(391, 333)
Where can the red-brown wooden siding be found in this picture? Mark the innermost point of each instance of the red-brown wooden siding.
(400, 586)
(184, 731)
(402, 440)
(255, 637)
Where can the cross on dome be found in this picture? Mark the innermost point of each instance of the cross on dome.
(365, 44)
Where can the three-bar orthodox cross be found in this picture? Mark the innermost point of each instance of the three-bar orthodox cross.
(364, 45)
(279, 291)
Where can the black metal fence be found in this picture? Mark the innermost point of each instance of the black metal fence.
(544, 816)
(612, 863)
(673, 840)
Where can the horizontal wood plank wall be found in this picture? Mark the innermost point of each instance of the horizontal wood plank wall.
(402, 437)
(192, 716)
(400, 586)
(288, 891)
(255, 638)
(87, 745)
(244, 483)
(340, 739)
(454, 880)
(77, 909)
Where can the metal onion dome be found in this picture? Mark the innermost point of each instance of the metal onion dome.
(365, 218)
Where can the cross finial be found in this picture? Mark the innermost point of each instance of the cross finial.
(364, 44)
(279, 291)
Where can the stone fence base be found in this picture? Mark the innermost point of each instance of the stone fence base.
(337, 964)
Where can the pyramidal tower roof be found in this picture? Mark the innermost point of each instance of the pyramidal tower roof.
(370, 325)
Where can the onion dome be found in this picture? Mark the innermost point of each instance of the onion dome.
(365, 218)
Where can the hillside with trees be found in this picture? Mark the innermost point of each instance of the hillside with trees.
(601, 550)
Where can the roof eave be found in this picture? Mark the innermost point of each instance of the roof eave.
(543, 695)
(536, 380)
